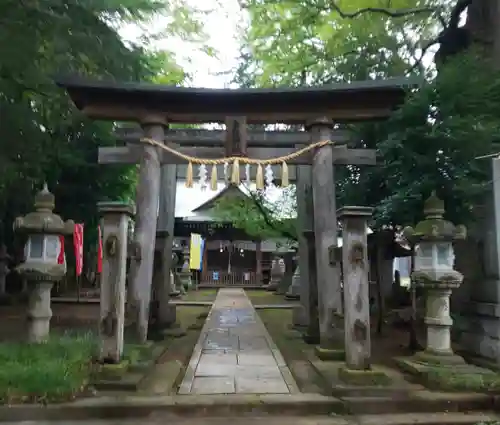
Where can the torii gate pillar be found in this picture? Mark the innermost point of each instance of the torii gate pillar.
(147, 198)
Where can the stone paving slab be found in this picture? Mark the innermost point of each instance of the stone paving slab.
(235, 354)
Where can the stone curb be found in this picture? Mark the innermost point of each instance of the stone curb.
(187, 406)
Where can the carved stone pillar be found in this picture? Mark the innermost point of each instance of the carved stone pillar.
(147, 198)
(115, 216)
(356, 286)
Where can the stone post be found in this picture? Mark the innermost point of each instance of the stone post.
(325, 230)
(305, 222)
(356, 286)
(4, 270)
(147, 198)
(115, 216)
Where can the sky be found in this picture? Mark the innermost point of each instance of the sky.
(221, 25)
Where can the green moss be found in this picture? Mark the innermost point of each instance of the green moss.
(327, 354)
(114, 371)
(449, 380)
(369, 377)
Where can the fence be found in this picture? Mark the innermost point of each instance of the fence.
(222, 279)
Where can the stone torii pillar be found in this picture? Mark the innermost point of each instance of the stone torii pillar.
(325, 232)
(147, 198)
(165, 231)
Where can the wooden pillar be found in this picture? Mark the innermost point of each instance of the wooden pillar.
(356, 286)
(305, 223)
(258, 262)
(147, 198)
(165, 229)
(325, 231)
(114, 264)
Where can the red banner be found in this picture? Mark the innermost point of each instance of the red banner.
(78, 246)
(99, 250)
(61, 258)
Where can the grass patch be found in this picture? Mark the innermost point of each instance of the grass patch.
(263, 297)
(200, 295)
(55, 371)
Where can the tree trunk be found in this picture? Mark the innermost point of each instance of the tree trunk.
(483, 22)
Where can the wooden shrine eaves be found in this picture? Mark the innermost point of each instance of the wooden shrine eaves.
(357, 101)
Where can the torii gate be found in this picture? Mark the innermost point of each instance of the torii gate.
(317, 109)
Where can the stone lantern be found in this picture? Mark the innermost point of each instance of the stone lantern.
(277, 271)
(185, 273)
(44, 260)
(434, 259)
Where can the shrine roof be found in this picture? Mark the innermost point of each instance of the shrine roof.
(343, 102)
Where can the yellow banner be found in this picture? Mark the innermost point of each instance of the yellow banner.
(195, 252)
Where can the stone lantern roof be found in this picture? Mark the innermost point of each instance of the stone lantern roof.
(43, 220)
(434, 227)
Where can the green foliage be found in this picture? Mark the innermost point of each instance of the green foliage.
(56, 370)
(42, 136)
(258, 216)
(431, 142)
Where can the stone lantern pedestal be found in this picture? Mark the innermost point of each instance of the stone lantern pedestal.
(293, 292)
(44, 260)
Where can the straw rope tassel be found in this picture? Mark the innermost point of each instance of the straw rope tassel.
(213, 179)
(284, 175)
(259, 178)
(235, 175)
(189, 175)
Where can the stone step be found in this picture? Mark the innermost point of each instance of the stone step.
(441, 418)
(297, 405)
(423, 401)
(185, 406)
(373, 391)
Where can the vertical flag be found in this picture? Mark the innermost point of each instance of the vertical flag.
(99, 250)
(78, 246)
(195, 252)
(61, 258)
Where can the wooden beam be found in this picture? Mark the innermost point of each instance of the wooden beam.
(212, 138)
(132, 155)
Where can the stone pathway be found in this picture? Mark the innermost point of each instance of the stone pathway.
(235, 353)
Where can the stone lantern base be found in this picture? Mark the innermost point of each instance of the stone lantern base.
(39, 312)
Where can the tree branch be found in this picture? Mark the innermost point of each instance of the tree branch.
(268, 220)
(395, 13)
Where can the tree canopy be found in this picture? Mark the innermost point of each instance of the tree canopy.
(431, 142)
(42, 136)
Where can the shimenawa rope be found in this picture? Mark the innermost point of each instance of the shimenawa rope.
(236, 161)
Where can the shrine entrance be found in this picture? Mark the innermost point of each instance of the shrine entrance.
(307, 158)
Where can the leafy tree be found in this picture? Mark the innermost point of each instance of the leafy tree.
(42, 136)
(431, 142)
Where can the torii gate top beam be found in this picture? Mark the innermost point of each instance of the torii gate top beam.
(364, 100)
